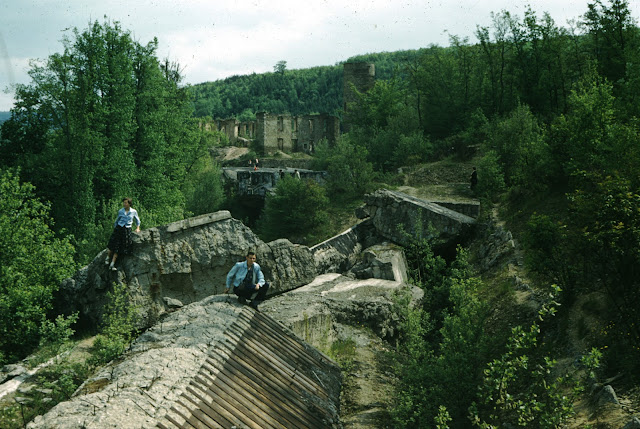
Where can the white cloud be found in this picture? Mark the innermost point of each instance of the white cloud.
(212, 39)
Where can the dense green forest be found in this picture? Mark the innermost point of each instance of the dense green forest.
(297, 92)
(548, 114)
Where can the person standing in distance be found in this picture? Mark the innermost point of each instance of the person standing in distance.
(474, 179)
(248, 281)
(120, 240)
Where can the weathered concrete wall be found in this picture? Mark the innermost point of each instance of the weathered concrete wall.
(230, 128)
(313, 128)
(247, 129)
(468, 208)
(294, 133)
(384, 261)
(339, 253)
(274, 132)
(400, 218)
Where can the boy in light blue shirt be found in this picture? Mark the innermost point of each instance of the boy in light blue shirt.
(248, 281)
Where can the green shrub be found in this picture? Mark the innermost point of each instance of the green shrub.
(58, 331)
(203, 192)
(350, 174)
(33, 262)
(118, 327)
(490, 176)
(520, 389)
(297, 210)
(441, 349)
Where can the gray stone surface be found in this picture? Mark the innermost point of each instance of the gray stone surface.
(468, 208)
(315, 310)
(137, 391)
(145, 384)
(383, 261)
(498, 246)
(607, 395)
(339, 253)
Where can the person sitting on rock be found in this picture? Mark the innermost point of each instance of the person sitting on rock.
(248, 281)
(120, 240)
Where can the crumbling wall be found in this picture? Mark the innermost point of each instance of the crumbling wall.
(294, 133)
(314, 128)
(274, 132)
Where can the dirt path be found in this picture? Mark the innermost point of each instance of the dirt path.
(368, 384)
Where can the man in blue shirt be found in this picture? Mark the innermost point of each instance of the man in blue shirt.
(248, 281)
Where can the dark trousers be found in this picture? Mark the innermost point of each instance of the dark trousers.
(244, 293)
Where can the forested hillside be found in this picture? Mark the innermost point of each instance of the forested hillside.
(548, 114)
(298, 92)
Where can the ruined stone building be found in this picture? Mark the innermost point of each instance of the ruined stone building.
(294, 133)
(272, 132)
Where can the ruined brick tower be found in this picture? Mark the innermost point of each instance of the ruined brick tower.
(360, 75)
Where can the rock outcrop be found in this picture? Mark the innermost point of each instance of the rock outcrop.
(384, 261)
(186, 261)
(313, 311)
(201, 363)
(181, 263)
(339, 253)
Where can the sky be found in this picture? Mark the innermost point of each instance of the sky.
(215, 39)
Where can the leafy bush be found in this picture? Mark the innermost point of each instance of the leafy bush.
(520, 144)
(58, 331)
(442, 348)
(118, 327)
(490, 176)
(350, 174)
(297, 211)
(519, 387)
(33, 262)
(204, 193)
(605, 215)
(412, 149)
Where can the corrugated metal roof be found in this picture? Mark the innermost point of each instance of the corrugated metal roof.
(260, 377)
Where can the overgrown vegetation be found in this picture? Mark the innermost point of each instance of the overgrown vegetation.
(33, 262)
(118, 328)
(62, 373)
(296, 210)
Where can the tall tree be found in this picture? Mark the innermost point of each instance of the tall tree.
(108, 119)
(610, 29)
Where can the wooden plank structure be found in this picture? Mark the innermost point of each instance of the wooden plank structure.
(260, 377)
